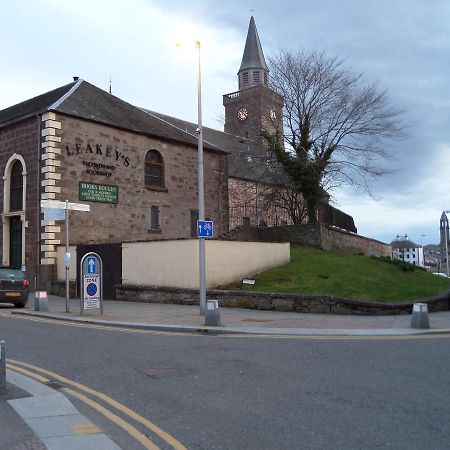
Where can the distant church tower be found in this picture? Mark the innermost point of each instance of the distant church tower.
(254, 107)
(444, 235)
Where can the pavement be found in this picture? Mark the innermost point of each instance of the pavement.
(46, 417)
(41, 418)
(185, 318)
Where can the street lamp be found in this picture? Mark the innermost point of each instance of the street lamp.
(201, 188)
(421, 245)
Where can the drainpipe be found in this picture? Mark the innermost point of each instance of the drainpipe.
(38, 206)
(221, 229)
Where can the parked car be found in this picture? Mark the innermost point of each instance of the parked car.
(14, 287)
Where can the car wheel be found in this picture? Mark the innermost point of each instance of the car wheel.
(19, 305)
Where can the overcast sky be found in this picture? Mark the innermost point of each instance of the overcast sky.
(402, 44)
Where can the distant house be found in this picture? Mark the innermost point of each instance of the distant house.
(431, 256)
(408, 251)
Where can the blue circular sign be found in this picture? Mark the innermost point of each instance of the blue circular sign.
(91, 289)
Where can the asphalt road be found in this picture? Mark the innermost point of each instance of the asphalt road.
(229, 392)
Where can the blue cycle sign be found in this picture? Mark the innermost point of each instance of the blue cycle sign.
(91, 283)
(205, 228)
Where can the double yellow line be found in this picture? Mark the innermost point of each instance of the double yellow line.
(30, 370)
(312, 337)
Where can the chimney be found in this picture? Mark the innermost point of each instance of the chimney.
(76, 78)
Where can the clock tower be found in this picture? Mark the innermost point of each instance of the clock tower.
(254, 107)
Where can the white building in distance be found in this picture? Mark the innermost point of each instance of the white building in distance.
(408, 251)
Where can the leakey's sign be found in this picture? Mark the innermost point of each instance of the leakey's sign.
(103, 193)
(110, 156)
(107, 152)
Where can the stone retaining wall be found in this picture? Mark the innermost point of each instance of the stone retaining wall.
(315, 235)
(322, 304)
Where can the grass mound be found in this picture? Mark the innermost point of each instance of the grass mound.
(314, 271)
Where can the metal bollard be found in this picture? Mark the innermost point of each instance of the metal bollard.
(212, 316)
(40, 301)
(2, 367)
(419, 318)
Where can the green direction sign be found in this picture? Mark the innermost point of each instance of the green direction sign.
(103, 193)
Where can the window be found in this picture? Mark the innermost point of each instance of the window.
(245, 77)
(154, 169)
(16, 190)
(154, 218)
(256, 77)
(265, 78)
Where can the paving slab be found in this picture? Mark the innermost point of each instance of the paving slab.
(15, 434)
(53, 422)
(66, 425)
(86, 442)
(43, 406)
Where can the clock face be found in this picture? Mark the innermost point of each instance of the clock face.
(242, 114)
(272, 114)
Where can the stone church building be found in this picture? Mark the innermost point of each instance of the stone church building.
(136, 168)
(82, 144)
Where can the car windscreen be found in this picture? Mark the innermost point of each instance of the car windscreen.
(11, 273)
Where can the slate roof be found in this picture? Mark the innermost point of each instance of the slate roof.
(245, 160)
(35, 105)
(402, 244)
(86, 101)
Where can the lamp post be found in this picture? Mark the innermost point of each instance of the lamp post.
(446, 240)
(421, 248)
(201, 187)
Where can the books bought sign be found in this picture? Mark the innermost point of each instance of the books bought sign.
(102, 193)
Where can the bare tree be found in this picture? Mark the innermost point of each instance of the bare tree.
(336, 126)
(286, 198)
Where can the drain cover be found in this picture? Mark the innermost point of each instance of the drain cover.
(54, 385)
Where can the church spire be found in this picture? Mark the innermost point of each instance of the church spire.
(253, 70)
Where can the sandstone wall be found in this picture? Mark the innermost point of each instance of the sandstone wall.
(303, 303)
(343, 241)
(22, 139)
(104, 155)
(321, 236)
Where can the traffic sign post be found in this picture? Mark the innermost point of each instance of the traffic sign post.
(57, 210)
(91, 283)
(205, 229)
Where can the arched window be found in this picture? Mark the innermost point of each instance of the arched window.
(154, 169)
(16, 189)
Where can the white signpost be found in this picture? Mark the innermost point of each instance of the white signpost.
(62, 205)
(54, 214)
(57, 210)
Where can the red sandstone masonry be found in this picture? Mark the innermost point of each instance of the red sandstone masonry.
(315, 235)
(22, 138)
(130, 218)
